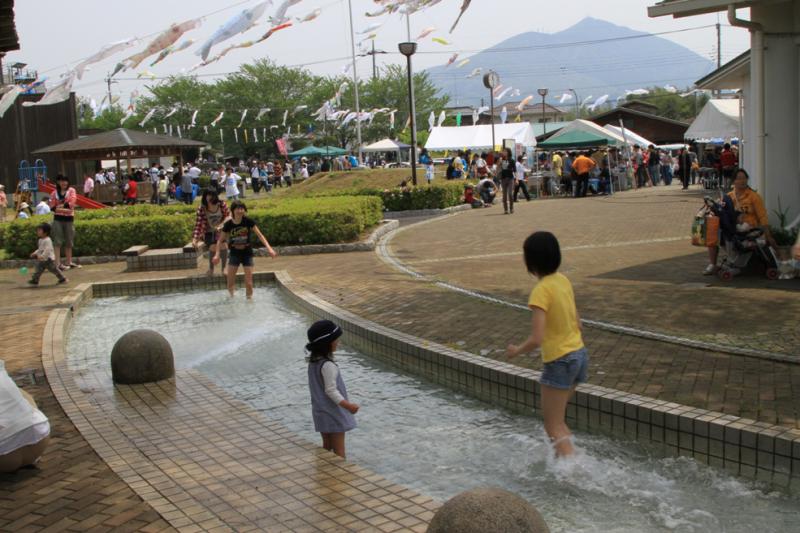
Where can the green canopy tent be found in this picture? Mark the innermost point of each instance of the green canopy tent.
(575, 139)
(333, 151)
(317, 151)
(308, 151)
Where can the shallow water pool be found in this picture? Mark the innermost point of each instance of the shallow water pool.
(426, 437)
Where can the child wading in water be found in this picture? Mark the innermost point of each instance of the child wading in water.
(556, 327)
(237, 231)
(332, 412)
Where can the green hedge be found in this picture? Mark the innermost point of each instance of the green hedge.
(319, 220)
(439, 196)
(107, 236)
(138, 210)
(295, 221)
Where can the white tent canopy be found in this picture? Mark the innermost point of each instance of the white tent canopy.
(631, 136)
(614, 139)
(719, 119)
(386, 145)
(479, 137)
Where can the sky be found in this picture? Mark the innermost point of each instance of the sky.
(76, 29)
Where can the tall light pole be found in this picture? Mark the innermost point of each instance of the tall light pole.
(408, 49)
(543, 94)
(355, 82)
(490, 81)
(577, 104)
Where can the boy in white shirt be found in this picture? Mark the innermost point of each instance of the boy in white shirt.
(45, 256)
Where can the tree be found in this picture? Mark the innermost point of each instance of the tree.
(291, 92)
(673, 105)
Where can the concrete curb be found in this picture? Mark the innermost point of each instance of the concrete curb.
(426, 212)
(743, 447)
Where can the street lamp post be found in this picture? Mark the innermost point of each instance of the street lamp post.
(408, 49)
(490, 81)
(577, 104)
(355, 84)
(543, 93)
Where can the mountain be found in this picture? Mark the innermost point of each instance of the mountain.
(594, 57)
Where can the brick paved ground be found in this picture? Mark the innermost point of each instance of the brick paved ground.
(652, 285)
(656, 284)
(72, 488)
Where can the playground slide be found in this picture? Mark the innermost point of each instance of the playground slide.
(84, 202)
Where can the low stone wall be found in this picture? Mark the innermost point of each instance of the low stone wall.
(426, 212)
(743, 447)
(754, 450)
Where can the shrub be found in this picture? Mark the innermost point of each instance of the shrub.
(438, 196)
(138, 210)
(318, 220)
(108, 236)
(295, 221)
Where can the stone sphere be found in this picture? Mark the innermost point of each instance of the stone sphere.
(141, 356)
(487, 509)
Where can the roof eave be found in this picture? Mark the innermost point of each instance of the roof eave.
(729, 76)
(690, 8)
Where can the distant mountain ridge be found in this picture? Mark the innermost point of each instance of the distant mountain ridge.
(610, 60)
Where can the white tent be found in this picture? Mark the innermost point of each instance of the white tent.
(386, 145)
(631, 136)
(719, 119)
(479, 137)
(614, 139)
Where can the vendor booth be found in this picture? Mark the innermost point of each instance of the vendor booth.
(389, 145)
(582, 134)
(480, 137)
(719, 120)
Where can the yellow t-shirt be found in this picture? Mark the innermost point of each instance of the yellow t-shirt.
(562, 335)
(558, 164)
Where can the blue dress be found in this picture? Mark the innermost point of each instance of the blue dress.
(328, 417)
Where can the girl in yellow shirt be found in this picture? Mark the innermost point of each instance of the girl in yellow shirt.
(556, 328)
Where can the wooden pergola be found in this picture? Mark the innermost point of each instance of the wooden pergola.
(120, 145)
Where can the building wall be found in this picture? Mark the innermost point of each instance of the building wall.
(657, 131)
(24, 129)
(781, 22)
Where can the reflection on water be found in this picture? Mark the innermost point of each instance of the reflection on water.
(434, 440)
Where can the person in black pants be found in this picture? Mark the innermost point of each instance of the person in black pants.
(506, 168)
(684, 167)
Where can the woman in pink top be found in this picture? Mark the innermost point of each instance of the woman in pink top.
(62, 202)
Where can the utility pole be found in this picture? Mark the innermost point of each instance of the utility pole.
(374, 69)
(355, 84)
(719, 51)
(109, 81)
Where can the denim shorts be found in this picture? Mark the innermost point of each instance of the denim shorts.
(238, 257)
(566, 371)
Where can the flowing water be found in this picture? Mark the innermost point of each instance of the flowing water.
(430, 438)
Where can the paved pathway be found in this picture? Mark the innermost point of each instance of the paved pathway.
(653, 285)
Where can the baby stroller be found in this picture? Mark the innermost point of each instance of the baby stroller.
(742, 243)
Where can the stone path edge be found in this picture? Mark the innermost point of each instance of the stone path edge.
(117, 452)
(744, 447)
(387, 257)
(754, 450)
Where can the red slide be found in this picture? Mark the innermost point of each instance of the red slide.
(84, 202)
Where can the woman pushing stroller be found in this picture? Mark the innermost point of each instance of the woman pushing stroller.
(745, 228)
